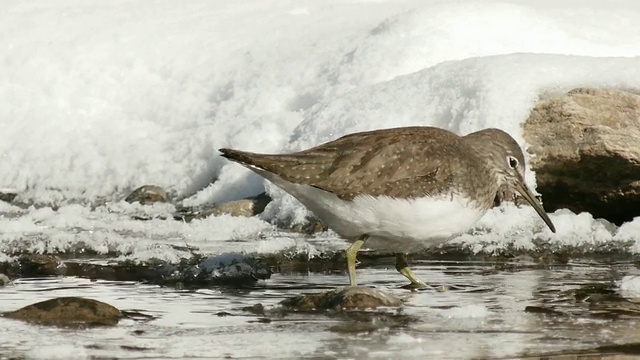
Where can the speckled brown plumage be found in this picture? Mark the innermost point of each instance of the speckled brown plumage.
(400, 162)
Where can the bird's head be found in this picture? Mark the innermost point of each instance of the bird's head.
(507, 160)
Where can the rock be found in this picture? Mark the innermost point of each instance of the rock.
(68, 311)
(237, 269)
(7, 195)
(228, 268)
(348, 298)
(586, 152)
(257, 309)
(147, 195)
(312, 226)
(40, 265)
(4, 279)
(246, 207)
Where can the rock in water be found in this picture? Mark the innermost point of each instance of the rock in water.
(4, 279)
(68, 311)
(7, 195)
(147, 195)
(348, 298)
(586, 152)
(40, 265)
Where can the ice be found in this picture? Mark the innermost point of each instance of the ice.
(629, 286)
(629, 232)
(105, 231)
(64, 351)
(98, 100)
(521, 228)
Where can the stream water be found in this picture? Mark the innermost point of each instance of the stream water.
(473, 310)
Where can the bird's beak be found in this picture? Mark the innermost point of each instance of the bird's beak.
(531, 199)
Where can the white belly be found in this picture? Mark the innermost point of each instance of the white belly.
(394, 225)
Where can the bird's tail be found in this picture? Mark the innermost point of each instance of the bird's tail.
(243, 157)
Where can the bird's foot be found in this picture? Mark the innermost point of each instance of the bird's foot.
(416, 286)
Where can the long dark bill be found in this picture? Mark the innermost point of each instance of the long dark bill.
(531, 199)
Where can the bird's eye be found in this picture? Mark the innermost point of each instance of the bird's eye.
(513, 162)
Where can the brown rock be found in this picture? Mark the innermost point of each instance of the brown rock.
(147, 195)
(312, 226)
(586, 147)
(40, 265)
(246, 207)
(348, 298)
(68, 311)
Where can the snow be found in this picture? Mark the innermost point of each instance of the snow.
(629, 286)
(100, 99)
(66, 351)
(510, 226)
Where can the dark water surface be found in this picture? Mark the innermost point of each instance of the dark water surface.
(474, 310)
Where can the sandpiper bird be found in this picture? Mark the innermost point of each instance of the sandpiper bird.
(400, 189)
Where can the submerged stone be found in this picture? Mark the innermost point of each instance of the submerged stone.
(68, 311)
(349, 298)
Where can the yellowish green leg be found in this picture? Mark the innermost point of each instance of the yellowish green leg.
(351, 253)
(403, 268)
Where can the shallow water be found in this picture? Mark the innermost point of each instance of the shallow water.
(481, 315)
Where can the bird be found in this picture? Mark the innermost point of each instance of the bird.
(398, 190)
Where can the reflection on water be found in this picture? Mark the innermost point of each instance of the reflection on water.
(481, 315)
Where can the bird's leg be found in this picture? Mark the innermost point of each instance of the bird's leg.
(403, 268)
(351, 253)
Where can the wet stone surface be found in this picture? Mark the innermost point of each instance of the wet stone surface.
(599, 300)
(346, 298)
(39, 265)
(68, 311)
(197, 271)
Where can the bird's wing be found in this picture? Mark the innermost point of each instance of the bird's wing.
(406, 162)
